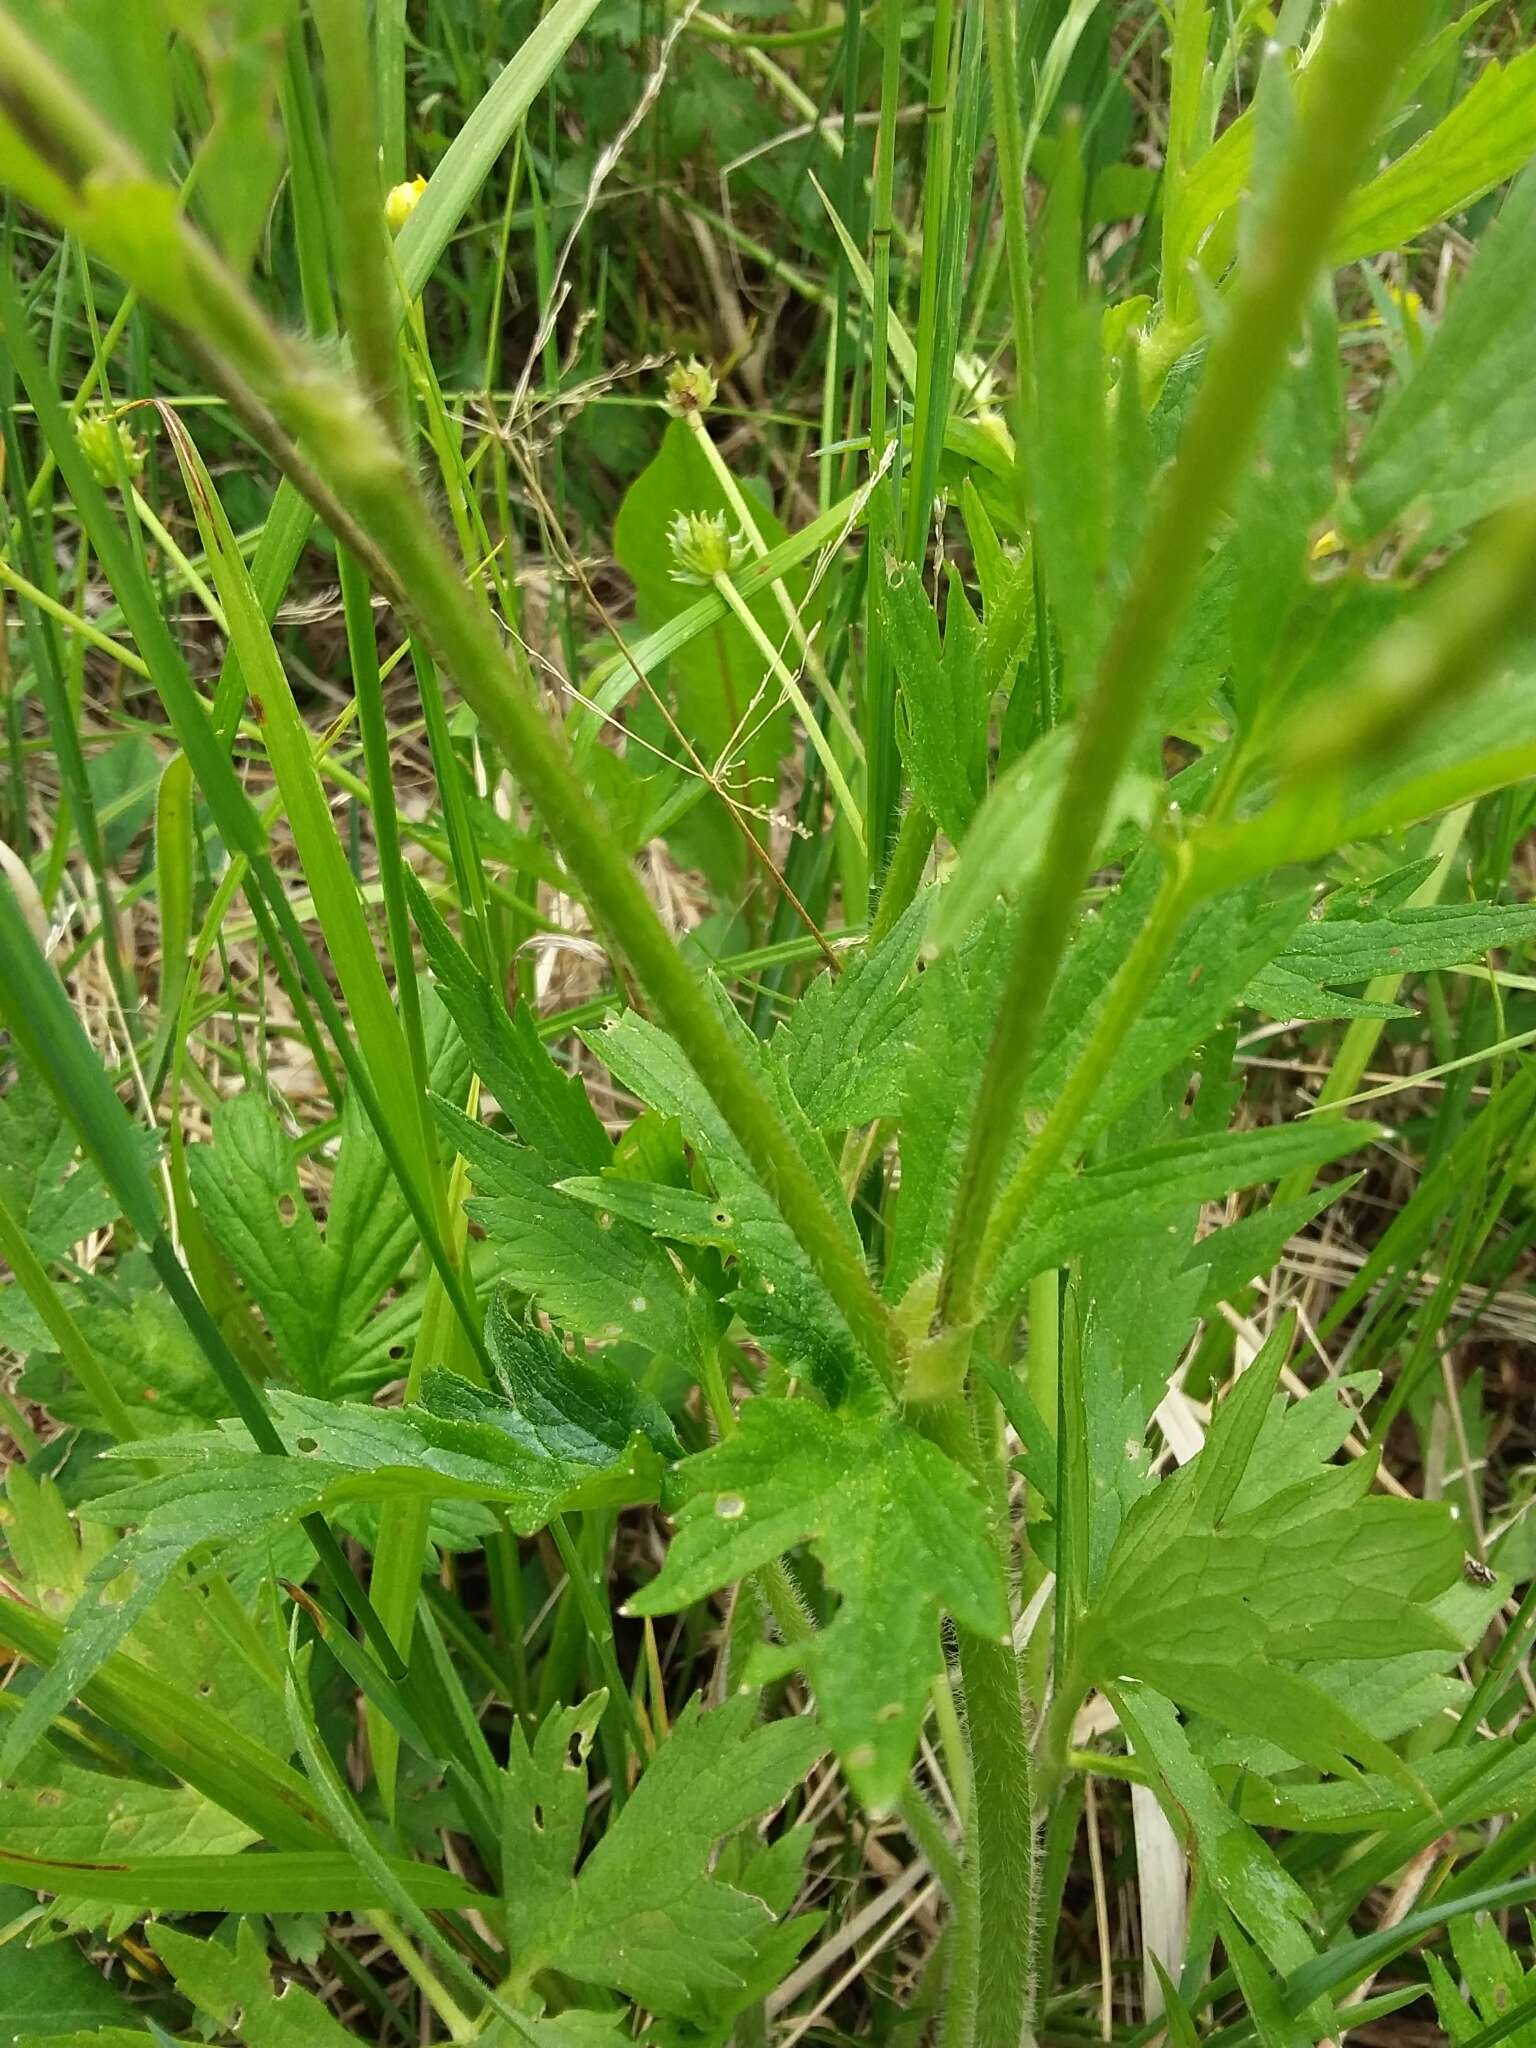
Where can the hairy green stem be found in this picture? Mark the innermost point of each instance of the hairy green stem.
(1127, 996)
(1364, 43)
(903, 876)
(1043, 1376)
(1004, 1823)
(996, 1936)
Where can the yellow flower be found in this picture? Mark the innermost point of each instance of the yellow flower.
(703, 547)
(401, 202)
(690, 388)
(98, 433)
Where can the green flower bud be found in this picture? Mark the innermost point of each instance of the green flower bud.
(703, 547)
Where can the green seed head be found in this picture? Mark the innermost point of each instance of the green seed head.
(103, 441)
(703, 547)
(690, 389)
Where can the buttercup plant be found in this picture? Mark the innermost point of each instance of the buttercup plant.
(777, 1288)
